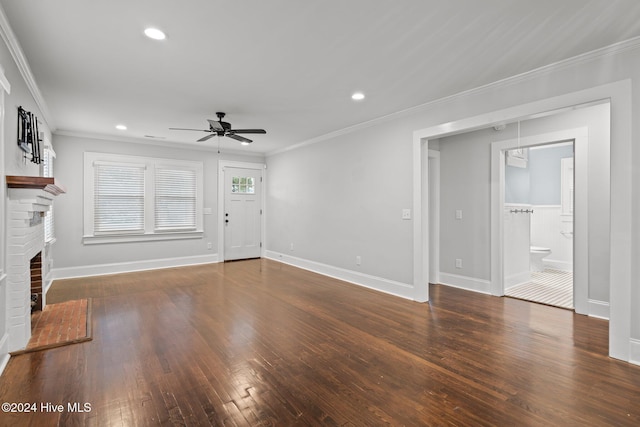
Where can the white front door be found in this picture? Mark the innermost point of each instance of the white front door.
(242, 213)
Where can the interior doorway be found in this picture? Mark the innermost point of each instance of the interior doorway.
(538, 224)
(617, 262)
(580, 261)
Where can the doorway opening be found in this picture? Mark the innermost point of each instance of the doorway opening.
(614, 253)
(538, 224)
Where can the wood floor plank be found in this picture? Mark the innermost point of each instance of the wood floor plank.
(263, 343)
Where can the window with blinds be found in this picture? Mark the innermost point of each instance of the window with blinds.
(131, 198)
(175, 199)
(119, 198)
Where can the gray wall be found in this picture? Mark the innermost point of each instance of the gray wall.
(341, 199)
(465, 171)
(544, 169)
(539, 182)
(69, 250)
(517, 184)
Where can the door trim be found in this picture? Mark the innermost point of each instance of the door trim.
(580, 138)
(222, 164)
(433, 203)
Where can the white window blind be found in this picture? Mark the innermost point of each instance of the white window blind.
(137, 199)
(175, 199)
(118, 198)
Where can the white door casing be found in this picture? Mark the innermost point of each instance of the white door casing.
(580, 137)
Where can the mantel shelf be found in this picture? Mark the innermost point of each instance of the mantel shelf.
(50, 185)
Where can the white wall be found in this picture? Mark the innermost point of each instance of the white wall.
(73, 258)
(550, 229)
(517, 244)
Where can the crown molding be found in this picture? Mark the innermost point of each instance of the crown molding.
(11, 41)
(154, 142)
(611, 50)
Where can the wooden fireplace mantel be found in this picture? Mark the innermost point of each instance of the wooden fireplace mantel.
(50, 185)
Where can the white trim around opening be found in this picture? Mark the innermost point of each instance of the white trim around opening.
(619, 94)
(581, 228)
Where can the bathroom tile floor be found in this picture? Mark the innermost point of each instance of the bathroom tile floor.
(551, 287)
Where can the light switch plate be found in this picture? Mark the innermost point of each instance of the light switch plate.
(459, 214)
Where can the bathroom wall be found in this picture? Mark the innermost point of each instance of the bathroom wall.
(549, 228)
(544, 173)
(517, 244)
(517, 184)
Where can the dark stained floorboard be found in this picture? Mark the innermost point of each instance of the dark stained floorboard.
(262, 343)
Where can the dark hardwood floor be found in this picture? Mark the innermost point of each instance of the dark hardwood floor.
(262, 343)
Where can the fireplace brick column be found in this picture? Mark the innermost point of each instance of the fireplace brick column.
(25, 238)
(28, 199)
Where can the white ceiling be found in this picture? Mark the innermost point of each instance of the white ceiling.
(288, 66)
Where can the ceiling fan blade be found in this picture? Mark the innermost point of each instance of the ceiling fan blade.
(199, 130)
(215, 125)
(249, 131)
(204, 138)
(239, 138)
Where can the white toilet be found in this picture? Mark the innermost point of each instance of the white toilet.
(537, 254)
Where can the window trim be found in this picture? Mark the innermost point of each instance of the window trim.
(46, 170)
(150, 233)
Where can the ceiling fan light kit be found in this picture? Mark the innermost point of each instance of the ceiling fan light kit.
(220, 128)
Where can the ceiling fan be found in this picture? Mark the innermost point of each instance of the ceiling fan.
(221, 128)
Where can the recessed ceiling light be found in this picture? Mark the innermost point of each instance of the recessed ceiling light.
(358, 96)
(154, 33)
(121, 127)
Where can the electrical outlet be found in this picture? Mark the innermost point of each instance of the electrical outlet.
(291, 247)
(209, 245)
(458, 263)
(358, 260)
(406, 213)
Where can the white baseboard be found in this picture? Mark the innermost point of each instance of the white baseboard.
(127, 267)
(387, 286)
(634, 351)
(466, 282)
(558, 265)
(517, 279)
(46, 283)
(599, 309)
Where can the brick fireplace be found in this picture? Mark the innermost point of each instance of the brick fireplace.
(35, 268)
(28, 199)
